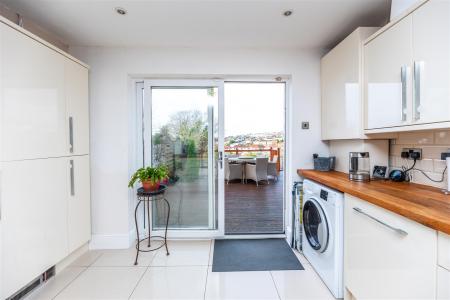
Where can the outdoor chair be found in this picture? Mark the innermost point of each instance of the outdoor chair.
(272, 168)
(258, 171)
(232, 171)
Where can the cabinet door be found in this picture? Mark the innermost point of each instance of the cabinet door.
(387, 77)
(381, 263)
(79, 204)
(341, 102)
(34, 217)
(431, 54)
(33, 105)
(77, 108)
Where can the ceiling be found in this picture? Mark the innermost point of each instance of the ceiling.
(203, 23)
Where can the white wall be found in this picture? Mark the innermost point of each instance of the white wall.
(112, 115)
(33, 27)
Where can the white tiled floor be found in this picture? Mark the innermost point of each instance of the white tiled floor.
(184, 274)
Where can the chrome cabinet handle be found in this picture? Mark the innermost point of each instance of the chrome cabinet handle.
(71, 134)
(397, 230)
(418, 66)
(72, 178)
(404, 80)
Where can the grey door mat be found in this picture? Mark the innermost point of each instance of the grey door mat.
(254, 255)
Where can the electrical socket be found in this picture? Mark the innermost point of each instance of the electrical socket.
(409, 153)
(444, 155)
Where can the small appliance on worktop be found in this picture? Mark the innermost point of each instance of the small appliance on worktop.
(324, 163)
(359, 163)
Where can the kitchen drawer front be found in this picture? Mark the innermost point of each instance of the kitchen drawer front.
(381, 262)
(443, 284)
(444, 250)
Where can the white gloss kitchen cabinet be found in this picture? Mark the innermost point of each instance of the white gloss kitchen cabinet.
(387, 256)
(77, 116)
(34, 217)
(341, 82)
(45, 107)
(78, 202)
(407, 72)
(33, 101)
(44, 159)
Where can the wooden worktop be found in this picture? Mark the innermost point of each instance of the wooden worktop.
(420, 203)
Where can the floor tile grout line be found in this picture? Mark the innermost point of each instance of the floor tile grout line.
(85, 268)
(70, 282)
(207, 267)
(95, 260)
(275, 284)
(139, 281)
(206, 282)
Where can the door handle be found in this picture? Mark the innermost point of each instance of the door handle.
(418, 67)
(220, 159)
(404, 79)
(397, 230)
(72, 178)
(71, 134)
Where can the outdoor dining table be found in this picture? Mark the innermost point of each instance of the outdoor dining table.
(242, 160)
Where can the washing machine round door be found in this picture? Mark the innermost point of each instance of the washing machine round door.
(315, 225)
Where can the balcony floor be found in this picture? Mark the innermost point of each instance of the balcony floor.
(254, 210)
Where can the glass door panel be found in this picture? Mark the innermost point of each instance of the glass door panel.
(184, 137)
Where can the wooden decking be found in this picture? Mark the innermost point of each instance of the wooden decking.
(254, 210)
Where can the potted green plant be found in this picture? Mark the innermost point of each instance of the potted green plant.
(150, 177)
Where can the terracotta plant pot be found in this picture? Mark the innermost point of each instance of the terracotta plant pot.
(150, 185)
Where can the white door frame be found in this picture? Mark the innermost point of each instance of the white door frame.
(147, 136)
(219, 83)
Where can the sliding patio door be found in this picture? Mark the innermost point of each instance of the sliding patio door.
(182, 130)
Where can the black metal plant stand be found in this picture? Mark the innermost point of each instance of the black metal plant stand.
(148, 197)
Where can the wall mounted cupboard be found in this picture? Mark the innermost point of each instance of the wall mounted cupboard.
(44, 157)
(407, 72)
(341, 82)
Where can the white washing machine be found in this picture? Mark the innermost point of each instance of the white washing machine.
(323, 233)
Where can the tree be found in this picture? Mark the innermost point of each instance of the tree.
(192, 130)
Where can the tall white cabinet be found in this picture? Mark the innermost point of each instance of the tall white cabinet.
(44, 157)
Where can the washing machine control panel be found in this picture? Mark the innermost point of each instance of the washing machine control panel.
(324, 195)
